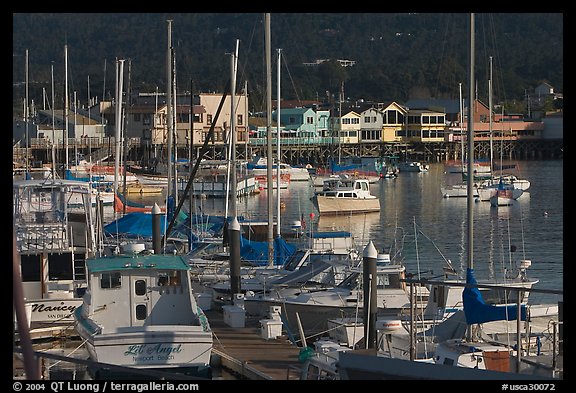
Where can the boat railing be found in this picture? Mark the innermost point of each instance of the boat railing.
(43, 236)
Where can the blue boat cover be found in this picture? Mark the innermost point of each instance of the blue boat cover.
(477, 311)
(139, 225)
(335, 168)
(256, 252)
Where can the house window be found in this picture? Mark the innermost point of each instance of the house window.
(146, 119)
(239, 119)
(209, 120)
(110, 280)
(182, 117)
(367, 119)
(391, 117)
(310, 120)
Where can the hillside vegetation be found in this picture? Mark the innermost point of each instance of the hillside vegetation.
(398, 56)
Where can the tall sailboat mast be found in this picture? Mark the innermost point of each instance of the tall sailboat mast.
(169, 106)
(490, 122)
(233, 180)
(269, 138)
(279, 155)
(461, 131)
(26, 119)
(53, 126)
(66, 105)
(118, 138)
(174, 128)
(470, 177)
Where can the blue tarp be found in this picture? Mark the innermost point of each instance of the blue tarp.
(477, 311)
(256, 252)
(335, 168)
(139, 225)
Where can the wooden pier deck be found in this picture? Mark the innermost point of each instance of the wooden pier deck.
(245, 352)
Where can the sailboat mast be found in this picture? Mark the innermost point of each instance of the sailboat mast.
(66, 104)
(174, 127)
(268, 55)
(53, 126)
(26, 118)
(470, 177)
(279, 155)
(119, 80)
(233, 180)
(461, 120)
(490, 122)
(169, 106)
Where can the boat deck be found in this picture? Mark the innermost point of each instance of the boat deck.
(245, 352)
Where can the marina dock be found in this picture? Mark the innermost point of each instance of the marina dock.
(245, 352)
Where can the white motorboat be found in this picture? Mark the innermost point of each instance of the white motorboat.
(54, 228)
(259, 167)
(315, 308)
(346, 196)
(139, 311)
(412, 166)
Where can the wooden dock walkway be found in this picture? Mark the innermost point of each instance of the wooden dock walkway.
(245, 352)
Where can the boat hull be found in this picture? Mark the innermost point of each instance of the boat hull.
(59, 309)
(335, 205)
(156, 347)
(488, 192)
(314, 317)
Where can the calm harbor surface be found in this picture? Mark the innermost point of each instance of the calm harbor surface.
(434, 228)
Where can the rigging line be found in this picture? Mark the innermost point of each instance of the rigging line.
(437, 249)
(442, 57)
(243, 67)
(416, 246)
(522, 233)
(74, 350)
(291, 80)
(497, 57)
(509, 246)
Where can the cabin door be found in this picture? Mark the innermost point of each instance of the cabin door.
(141, 305)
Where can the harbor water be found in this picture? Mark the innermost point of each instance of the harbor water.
(433, 228)
(428, 232)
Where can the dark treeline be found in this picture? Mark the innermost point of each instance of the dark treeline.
(398, 56)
